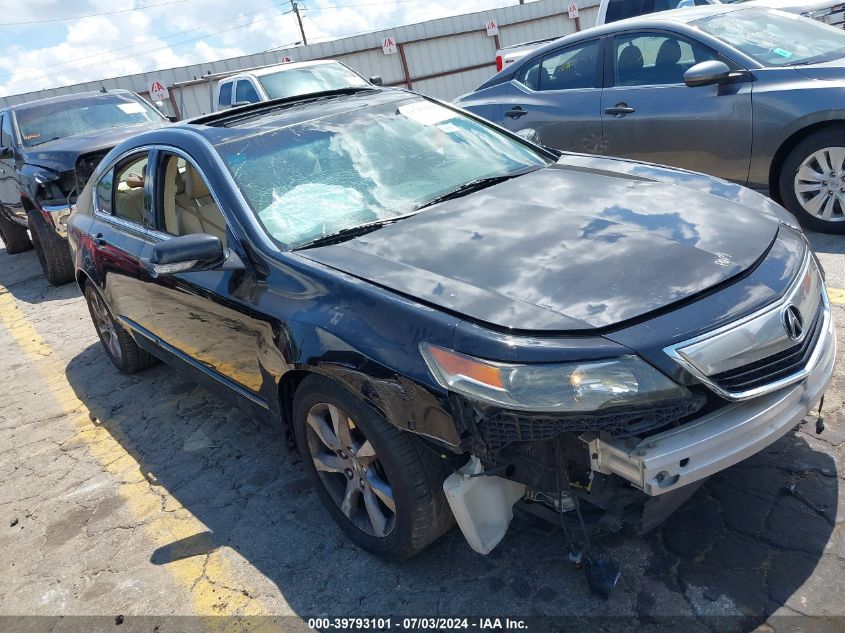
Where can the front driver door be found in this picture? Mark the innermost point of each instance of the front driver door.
(559, 97)
(650, 114)
(206, 319)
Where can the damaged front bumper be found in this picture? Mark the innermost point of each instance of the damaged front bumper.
(680, 456)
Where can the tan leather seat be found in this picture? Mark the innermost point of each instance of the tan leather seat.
(189, 206)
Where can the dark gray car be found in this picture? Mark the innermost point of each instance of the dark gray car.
(751, 95)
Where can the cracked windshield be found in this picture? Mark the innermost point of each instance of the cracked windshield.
(53, 121)
(328, 175)
(775, 38)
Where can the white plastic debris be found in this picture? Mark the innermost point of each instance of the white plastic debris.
(483, 506)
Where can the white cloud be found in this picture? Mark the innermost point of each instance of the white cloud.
(182, 32)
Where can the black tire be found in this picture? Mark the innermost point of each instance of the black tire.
(414, 472)
(53, 251)
(831, 187)
(121, 348)
(15, 236)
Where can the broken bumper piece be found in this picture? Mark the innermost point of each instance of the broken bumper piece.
(698, 449)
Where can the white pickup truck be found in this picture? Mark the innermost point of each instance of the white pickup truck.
(614, 10)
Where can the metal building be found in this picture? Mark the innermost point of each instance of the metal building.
(445, 57)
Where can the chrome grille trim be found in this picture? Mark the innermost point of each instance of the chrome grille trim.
(689, 354)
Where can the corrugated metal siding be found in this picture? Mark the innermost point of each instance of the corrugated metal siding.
(460, 44)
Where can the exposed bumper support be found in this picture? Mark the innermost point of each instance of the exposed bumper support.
(700, 448)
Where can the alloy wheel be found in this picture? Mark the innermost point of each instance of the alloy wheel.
(105, 326)
(350, 470)
(820, 184)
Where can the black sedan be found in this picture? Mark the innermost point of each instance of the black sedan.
(446, 319)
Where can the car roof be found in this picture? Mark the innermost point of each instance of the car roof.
(77, 96)
(278, 68)
(280, 113)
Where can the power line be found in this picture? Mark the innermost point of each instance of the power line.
(92, 15)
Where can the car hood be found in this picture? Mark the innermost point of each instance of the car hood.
(560, 249)
(61, 154)
(830, 71)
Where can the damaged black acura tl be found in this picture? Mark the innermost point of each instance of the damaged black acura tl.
(447, 320)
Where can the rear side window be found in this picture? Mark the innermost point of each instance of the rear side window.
(104, 191)
(225, 98)
(569, 69)
(245, 92)
(129, 193)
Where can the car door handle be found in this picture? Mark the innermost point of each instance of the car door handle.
(515, 113)
(99, 240)
(620, 110)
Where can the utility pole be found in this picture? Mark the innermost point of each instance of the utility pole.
(295, 6)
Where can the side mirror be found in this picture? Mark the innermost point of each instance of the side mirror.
(186, 253)
(6, 152)
(376, 80)
(707, 74)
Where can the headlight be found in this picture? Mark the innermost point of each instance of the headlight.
(564, 387)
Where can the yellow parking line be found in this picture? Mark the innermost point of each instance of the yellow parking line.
(836, 295)
(212, 584)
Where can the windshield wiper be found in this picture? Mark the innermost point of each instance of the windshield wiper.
(352, 231)
(476, 185)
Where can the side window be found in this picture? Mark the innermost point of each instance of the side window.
(246, 92)
(104, 191)
(129, 192)
(621, 9)
(6, 130)
(187, 204)
(655, 59)
(564, 70)
(225, 98)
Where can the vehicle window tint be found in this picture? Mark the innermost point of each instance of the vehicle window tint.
(6, 130)
(129, 192)
(104, 191)
(246, 92)
(566, 70)
(225, 98)
(621, 9)
(656, 59)
(187, 203)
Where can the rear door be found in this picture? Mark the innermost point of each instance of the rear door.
(120, 232)
(559, 97)
(650, 114)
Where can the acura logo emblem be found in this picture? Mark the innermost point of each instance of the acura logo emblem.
(793, 323)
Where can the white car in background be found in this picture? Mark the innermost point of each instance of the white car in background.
(613, 10)
(287, 80)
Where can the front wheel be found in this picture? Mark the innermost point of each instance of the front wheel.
(812, 181)
(53, 251)
(382, 486)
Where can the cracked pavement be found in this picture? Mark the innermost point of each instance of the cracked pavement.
(146, 495)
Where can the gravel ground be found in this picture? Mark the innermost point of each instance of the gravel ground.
(137, 499)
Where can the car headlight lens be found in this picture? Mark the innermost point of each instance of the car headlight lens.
(559, 387)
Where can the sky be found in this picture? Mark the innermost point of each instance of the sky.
(50, 43)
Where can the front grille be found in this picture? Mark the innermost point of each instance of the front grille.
(775, 367)
(503, 428)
